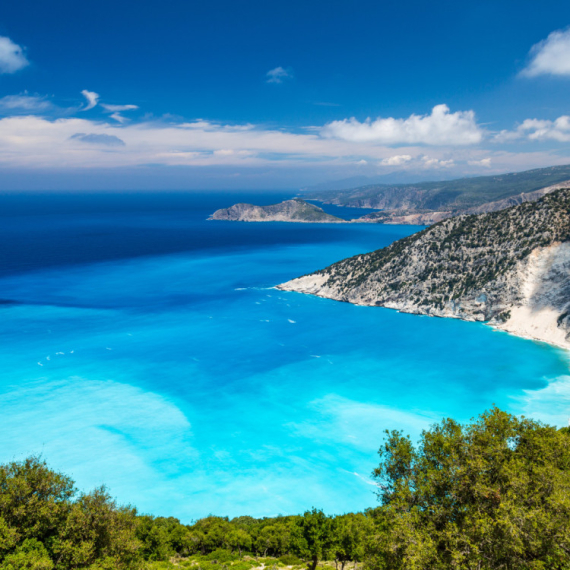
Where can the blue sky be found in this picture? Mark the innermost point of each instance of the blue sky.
(183, 95)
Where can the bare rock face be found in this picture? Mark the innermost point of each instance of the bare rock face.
(509, 268)
(295, 210)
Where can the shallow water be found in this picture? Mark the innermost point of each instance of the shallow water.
(145, 348)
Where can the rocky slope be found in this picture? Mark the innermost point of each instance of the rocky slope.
(430, 202)
(509, 268)
(295, 210)
(429, 217)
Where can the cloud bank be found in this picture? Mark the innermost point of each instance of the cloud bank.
(440, 127)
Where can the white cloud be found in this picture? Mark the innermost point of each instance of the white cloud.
(116, 111)
(37, 142)
(486, 162)
(439, 128)
(92, 99)
(550, 56)
(278, 74)
(437, 163)
(12, 56)
(118, 108)
(24, 104)
(396, 160)
(539, 130)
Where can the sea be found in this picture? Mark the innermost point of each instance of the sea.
(145, 348)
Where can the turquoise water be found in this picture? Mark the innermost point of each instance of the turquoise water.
(146, 348)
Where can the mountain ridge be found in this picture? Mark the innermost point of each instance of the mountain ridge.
(445, 198)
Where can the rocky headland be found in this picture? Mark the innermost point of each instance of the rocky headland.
(509, 268)
(295, 210)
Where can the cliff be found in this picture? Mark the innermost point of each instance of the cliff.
(295, 210)
(509, 268)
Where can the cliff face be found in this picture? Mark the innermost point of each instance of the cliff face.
(295, 210)
(510, 268)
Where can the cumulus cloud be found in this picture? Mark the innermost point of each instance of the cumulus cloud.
(486, 162)
(396, 160)
(278, 75)
(429, 162)
(539, 130)
(24, 104)
(440, 127)
(550, 56)
(92, 99)
(100, 139)
(12, 56)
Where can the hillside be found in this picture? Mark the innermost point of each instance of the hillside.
(510, 268)
(295, 210)
(450, 198)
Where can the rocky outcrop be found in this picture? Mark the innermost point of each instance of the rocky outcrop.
(295, 210)
(509, 268)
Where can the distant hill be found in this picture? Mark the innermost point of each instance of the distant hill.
(450, 197)
(295, 210)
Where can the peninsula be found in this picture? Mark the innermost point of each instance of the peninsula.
(295, 210)
(510, 269)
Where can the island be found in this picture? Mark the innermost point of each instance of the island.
(295, 210)
(509, 269)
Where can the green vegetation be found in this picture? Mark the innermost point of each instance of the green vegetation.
(492, 494)
(452, 194)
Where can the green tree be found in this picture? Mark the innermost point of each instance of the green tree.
(44, 525)
(317, 532)
(238, 539)
(350, 533)
(155, 538)
(492, 494)
(30, 555)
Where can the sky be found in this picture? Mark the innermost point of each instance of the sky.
(184, 95)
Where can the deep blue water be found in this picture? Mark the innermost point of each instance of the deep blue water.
(144, 347)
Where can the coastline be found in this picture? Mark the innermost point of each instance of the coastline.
(522, 324)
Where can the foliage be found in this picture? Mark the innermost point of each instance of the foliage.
(44, 524)
(491, 494)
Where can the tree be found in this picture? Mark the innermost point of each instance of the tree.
(240, 540)
(494, 493)
(317, 532)
(350, 532)
(43, 524)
